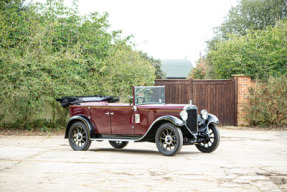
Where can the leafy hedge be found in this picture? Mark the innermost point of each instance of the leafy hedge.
(49, 51)
(268, 102)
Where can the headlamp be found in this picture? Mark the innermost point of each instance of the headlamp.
(183, 114)
(204, 114)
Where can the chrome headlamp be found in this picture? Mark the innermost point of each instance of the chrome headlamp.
(204, 114)
(183, 114)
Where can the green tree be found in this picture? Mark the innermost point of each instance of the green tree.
(260, 53)
(200, 72)
(49, 50)
(252, 15)
(156, 63)
(247, 15)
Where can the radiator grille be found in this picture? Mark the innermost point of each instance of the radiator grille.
(191, 122)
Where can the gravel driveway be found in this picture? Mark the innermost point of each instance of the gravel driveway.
(245, 161)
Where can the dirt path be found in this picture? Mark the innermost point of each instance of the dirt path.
(245, 161)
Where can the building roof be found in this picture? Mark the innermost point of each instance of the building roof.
(176, 69)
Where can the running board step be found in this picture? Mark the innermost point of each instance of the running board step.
(114, 139)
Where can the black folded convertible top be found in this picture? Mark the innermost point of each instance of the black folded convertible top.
(66, 101)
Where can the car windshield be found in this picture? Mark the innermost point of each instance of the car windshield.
(149, 95)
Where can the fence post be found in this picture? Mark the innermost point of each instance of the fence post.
(235, 97)
(190, 89)
(243, 83)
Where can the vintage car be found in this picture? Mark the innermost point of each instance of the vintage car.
(145, 118)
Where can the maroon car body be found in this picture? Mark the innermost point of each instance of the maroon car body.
(119, 118)
(145, 118)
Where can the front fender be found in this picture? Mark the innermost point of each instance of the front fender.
(212, 119)
(83, 119)
(150, 134)
(174, 120)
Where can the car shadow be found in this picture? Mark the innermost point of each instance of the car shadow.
(138, 151)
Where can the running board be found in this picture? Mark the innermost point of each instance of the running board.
(114, 139)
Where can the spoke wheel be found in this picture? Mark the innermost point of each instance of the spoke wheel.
(118, 144)
(212, 142)
(168, 139)
(78, 137)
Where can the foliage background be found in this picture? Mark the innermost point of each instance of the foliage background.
(252, 40)
(49, 51)
(268, 102)
(258, 54)
(251, 15)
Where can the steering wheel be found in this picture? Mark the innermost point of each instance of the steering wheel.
(140, 97)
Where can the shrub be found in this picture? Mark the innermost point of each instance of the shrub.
(268, 102)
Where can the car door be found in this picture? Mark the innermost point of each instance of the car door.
(122, 119)
(101, 118)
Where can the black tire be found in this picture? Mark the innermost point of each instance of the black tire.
(119, 144)
(211, 144)
(169, 139)
(79, 137)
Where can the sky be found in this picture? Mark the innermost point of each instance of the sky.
(164, 29)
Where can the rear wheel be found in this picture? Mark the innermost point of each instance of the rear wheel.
(119, 144)
(211, 143)
(79, 137)
(168, 139)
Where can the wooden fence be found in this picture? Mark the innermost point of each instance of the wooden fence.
(219, 97)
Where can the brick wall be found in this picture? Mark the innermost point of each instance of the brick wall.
(243, 84)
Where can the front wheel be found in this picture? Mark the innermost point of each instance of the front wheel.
(78, 137)
(118, 144)
(211, 143)
(168, 139)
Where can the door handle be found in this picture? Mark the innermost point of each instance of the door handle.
(107, 113)
(112, 113)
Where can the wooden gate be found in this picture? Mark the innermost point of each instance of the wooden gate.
(219, 97)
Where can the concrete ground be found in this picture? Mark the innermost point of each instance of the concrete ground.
(245, 161)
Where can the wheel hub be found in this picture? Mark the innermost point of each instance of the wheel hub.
(79, 137)
(168, 139)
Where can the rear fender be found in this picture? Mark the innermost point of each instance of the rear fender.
(83, 119)
(150, 134)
